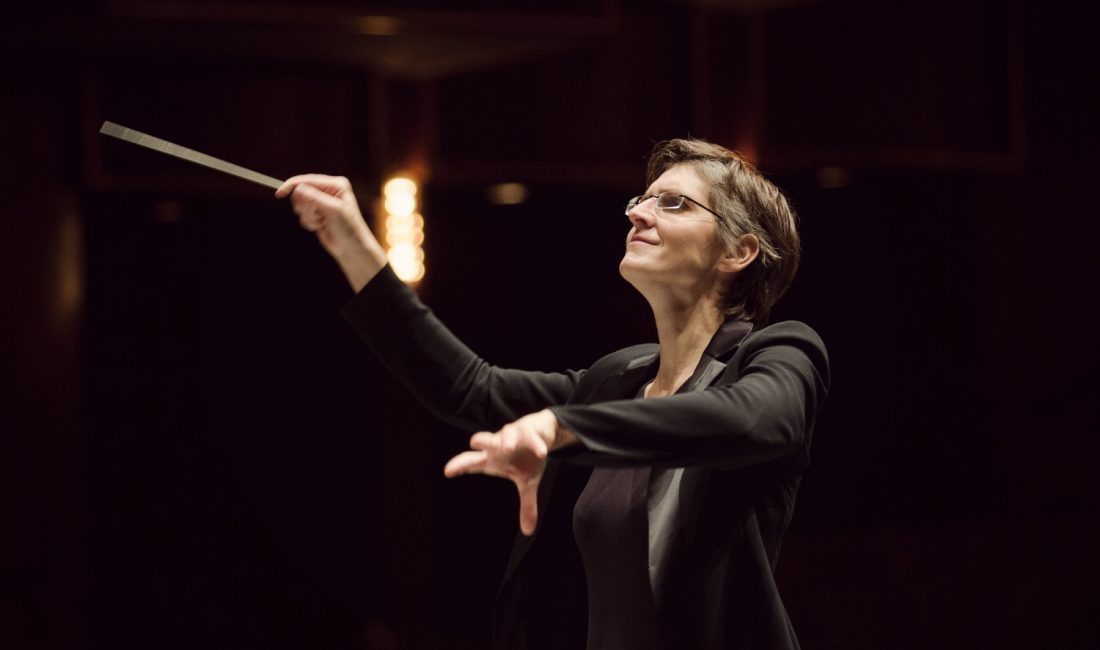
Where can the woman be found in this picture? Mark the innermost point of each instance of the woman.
(659, 482)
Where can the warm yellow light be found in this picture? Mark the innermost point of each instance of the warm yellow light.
(412, 237)
(405, 252)
(68, 266)
(400, 205)
(404, 229)
(407, 262)
(507, 193)
(399, 185)
(410, 273)
(400, 224)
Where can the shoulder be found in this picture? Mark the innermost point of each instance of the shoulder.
(785, 332)
(790, 341)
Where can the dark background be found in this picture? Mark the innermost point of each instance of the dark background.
(195, 451)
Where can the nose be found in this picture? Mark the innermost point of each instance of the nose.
(643, 214)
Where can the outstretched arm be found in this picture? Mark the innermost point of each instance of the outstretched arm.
(762, 409)
(762, 418)
(448, 377)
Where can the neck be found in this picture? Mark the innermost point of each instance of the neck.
(683, 331)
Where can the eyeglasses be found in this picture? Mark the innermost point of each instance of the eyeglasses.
(666, 201)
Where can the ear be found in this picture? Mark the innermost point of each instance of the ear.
(743, 253)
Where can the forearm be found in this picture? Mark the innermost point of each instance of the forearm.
(645, 432)
(360, 260)
(764, 415)
(448, 377)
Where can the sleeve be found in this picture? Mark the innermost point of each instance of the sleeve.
(762, 409)
(446, 376)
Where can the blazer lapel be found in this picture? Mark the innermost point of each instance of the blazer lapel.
(727, 338)
(717, 353)
(694, 481)
(626, 383)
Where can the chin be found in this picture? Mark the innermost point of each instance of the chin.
(627, 264)
(633, 269)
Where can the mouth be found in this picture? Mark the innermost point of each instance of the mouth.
(641, 240)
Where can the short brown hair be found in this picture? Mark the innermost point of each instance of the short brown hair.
(747, 203)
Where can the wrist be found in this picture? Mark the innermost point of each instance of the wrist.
(360, 260)
(561, 436)
(565, 438)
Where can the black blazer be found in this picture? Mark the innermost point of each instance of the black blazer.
(742, 427)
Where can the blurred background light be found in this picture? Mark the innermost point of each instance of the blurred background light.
(507, 193)
(834, 178)
(403, 229)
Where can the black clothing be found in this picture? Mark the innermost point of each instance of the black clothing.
(610, 526)
(743, 438)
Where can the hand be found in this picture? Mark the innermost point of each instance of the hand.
(327, 206)
(516, 452)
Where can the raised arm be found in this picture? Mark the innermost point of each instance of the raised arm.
(449, 378)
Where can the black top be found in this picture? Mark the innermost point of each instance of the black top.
(610, 526)
(743, 438)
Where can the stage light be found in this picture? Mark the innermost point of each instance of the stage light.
(404, 229)
(400, 204)
(834, 178)
(507, 193)
(399, 185)
(379, 25)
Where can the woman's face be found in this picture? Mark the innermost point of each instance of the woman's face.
(673, 247)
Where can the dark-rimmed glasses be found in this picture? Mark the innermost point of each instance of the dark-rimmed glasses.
(666, 201)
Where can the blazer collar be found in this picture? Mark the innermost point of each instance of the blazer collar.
(717, 353)
(712, 364)
(728, 337)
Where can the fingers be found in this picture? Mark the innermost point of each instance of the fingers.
(468, 462)
(334, 185)
(482, 444)
(484, 440)
(511, 439)
(315, 207)
(286, 188)
(310, 206)
(529, 440)
(307, 196)
(515, 452)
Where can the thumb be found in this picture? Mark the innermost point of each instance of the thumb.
(528, 507)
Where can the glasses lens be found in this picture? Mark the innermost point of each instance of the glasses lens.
(667, 201)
